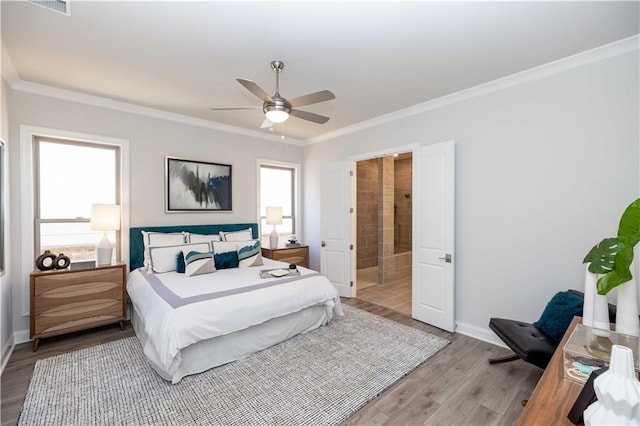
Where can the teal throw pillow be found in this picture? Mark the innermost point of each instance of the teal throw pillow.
(226, 260)
(558, 315)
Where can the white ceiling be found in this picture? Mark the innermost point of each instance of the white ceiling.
(377, 57)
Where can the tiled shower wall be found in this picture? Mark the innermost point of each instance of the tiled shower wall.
(367, 211)
(402, 199)
(384, 217)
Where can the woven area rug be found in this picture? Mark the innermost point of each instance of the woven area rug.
(318, 378)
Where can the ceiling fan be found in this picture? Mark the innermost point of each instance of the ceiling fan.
(278, 109)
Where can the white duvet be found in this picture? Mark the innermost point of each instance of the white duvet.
(178, 311)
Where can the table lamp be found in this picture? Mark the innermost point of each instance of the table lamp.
(104, 217)
(274, 217)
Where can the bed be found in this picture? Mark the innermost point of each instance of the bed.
(189, 324)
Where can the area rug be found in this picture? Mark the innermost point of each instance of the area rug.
(318, 378)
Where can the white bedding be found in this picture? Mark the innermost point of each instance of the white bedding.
(179, 311)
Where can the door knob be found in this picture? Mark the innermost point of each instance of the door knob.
(323, 244)
(446, 258)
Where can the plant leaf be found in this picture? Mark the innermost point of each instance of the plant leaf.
(602, 256)
(629, 228)
(620, 273)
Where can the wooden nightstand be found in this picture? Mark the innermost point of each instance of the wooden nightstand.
(298, 255)
(67, 300)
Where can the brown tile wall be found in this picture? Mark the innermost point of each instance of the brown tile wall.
(367, 211)
(402, 199)
(384, 217)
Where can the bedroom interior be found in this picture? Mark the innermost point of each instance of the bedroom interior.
(534, 117)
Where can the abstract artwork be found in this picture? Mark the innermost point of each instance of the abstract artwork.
(193, 186)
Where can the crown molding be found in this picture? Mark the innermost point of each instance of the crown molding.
(617, 48)
(73, 96)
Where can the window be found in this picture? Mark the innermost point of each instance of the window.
(278, 188)
(70, 176)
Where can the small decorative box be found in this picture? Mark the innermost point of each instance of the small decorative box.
(589, 349)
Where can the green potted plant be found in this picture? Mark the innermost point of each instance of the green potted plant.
(612, 259)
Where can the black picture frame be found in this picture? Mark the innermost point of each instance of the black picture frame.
(197, 186)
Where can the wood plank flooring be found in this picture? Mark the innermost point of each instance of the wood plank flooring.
(455, 387)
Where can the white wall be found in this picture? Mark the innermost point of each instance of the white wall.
(150, 139)
(6, 323)
(544, 170)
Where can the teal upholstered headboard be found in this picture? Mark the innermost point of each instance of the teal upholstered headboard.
(136, 252)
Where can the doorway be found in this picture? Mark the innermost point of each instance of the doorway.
(384, 231)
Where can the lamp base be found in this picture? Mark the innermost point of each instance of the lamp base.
(273, 239)
(104, 251)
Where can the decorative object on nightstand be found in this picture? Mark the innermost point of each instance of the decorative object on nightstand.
(274, 217)
(105, 217)
(46, 261)
(62, 261)
(293, 242)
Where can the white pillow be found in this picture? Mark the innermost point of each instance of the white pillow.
(202, 238)
(224, 246)
(249, 253)
(163, 259)
(162, 239)
(244, 235)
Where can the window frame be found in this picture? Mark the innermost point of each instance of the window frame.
(295, 194)
(38, 220)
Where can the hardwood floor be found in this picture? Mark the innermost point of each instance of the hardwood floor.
(455, 387)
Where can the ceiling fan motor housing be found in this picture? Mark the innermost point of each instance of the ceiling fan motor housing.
(280, 105)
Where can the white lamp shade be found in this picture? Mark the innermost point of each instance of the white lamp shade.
(274, 215)
(105, 217)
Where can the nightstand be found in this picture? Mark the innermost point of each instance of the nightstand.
(67, 300)
(298, 255)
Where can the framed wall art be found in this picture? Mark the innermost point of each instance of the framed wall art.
(197, 186)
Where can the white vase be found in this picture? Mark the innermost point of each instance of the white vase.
(618, 392)
(595, 311)
(627, 321)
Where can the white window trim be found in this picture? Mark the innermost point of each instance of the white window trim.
(26, 190)
(297, 190)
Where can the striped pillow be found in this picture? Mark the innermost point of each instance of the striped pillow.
(197, 263)
(249, 253)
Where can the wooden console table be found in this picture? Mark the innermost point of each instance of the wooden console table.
(554, 395)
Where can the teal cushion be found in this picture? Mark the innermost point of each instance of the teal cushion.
(558, 315)
(180, 266)
(226, 260)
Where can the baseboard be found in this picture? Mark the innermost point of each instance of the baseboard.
(7, 350)
(480, 333)
(21, 336)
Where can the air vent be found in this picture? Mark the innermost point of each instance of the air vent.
(60, 6)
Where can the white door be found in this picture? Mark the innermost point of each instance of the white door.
(433, 235)
(335, 256)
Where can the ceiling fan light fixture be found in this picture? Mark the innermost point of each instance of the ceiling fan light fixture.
(276, 114)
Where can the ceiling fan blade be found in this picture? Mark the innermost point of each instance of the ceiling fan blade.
(255, 89)
(309, 116)
(312, 98)
(234, 108)
(266, 123)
